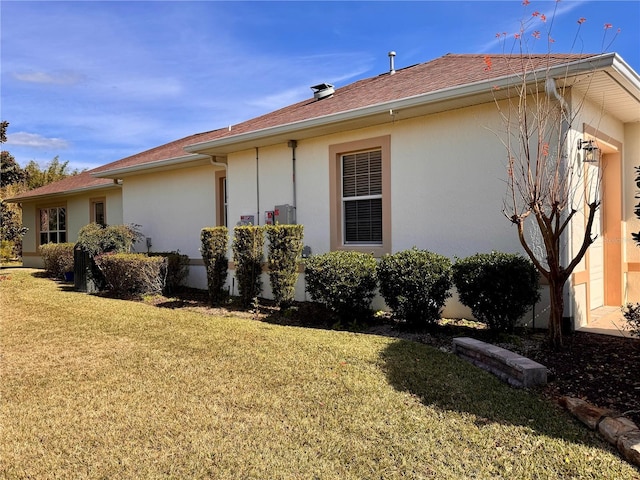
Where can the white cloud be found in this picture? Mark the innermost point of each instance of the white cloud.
(33, 140)
(54, 78)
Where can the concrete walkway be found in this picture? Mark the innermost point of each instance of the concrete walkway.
(607, 321)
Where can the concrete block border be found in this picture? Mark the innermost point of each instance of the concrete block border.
(508, 366)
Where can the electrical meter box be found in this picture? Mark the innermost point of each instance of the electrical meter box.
(284, 215)
(268, 217)
(246, 220)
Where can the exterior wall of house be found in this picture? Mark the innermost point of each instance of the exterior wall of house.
(447, 186)
(78, 210)
(172, 207)
(604, 270)
(631, 157)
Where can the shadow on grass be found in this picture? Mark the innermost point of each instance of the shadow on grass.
(442, 380)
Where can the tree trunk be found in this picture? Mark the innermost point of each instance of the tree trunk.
(556, 289)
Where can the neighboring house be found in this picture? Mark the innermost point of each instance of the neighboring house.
(406, 158)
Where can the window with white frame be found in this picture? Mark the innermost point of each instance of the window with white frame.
(53, 225)
(362, 197)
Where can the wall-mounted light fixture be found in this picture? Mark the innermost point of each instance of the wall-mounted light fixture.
(591, 151)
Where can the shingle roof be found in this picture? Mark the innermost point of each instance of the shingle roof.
(446, 72)
(75, 183)
(169, 150)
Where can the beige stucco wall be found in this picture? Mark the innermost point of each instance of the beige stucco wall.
(447, 186)
(78, 215)
(626, 139)
(172, 207)
(631, 158)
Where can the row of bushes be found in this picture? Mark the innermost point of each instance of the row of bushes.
(119, 271)
(498, 287)
(284, 251)
(415, 284)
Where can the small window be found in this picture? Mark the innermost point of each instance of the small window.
(360, 191)
(53, 225)
(98, 211)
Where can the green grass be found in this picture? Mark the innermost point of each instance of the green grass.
(100, 388)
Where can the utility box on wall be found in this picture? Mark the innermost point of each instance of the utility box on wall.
(268, 217)
(284, 215)
(246, 220)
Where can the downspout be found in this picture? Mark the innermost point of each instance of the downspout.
(257, 188)
(293, 144)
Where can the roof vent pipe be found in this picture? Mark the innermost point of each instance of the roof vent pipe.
(392, 69)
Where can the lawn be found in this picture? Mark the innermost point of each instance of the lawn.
(101, 388)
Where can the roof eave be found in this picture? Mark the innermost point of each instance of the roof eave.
(65, 193)
(158, 165)
(223, 145)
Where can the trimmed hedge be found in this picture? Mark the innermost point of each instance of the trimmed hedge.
(248, 246)
(344, 281)
(133, 273)
(177, 269)
(98, 239)
(214, 242)
(415, 284)
(499, 288)
(285, 250)
(57, 258)
(94, 240)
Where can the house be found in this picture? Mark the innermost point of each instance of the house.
(407, 158)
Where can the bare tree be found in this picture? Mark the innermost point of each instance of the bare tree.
(549, 190)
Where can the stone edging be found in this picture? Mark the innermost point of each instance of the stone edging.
(616, 429)
(508, 366)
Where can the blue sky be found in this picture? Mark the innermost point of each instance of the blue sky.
(93, 82)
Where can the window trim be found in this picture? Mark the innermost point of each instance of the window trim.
(221, 198)
(44, 206)
(336, 220)
(92, 208)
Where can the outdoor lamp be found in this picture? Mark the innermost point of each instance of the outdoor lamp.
(591, 151)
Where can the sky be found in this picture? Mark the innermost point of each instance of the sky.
(96, 81)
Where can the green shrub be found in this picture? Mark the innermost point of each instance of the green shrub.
(57, 258)
(177, 269)
(133, 273)
(248, 245)
(214, 242)
(631, 312)
(415, 284)
(285, 250)
(499, 288)
(98, 239)
(345, 282)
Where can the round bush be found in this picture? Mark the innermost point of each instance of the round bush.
(343, 281)
(415, 284)
(57, 258)
(498, 287)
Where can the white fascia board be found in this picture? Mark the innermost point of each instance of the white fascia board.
(486, 86)
(158, 164)
(628, 74)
